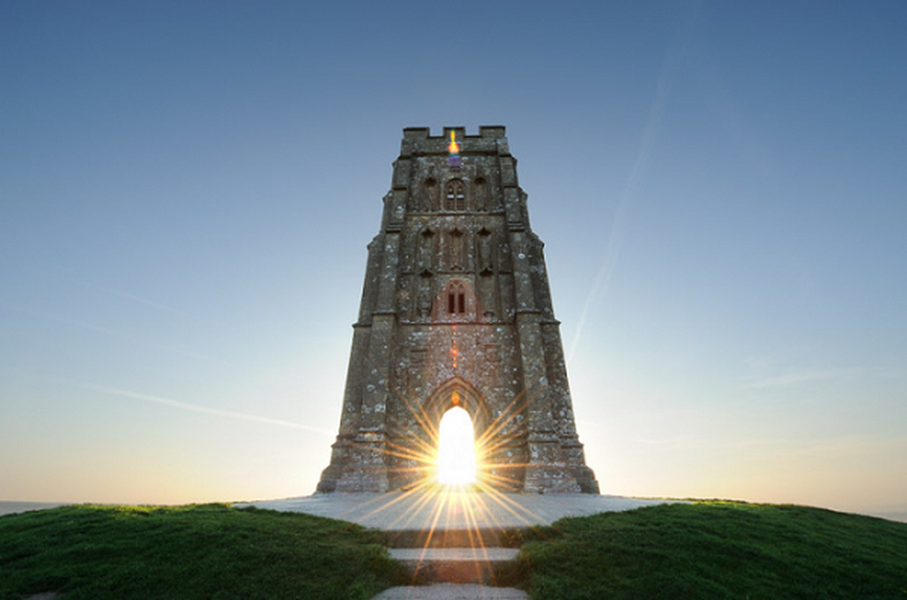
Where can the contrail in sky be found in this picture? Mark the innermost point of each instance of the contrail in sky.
(204, 409)
(615, 239)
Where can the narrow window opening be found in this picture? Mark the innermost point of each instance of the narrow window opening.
(456, 299)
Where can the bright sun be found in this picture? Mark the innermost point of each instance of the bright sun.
(456, 449)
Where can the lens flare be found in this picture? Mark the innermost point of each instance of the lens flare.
(457, 478)
(454, 148)
(456, 449)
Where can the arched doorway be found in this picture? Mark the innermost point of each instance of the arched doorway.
(456, 449)
(459, 406)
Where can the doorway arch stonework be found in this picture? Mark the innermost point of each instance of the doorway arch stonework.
(469, 398)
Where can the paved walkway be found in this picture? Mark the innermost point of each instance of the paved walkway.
(452, 591)
(13, 508)
(422, 510)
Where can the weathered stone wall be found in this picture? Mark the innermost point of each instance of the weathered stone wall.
(456, 310)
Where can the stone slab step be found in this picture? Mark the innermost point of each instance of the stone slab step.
(454, 538)
(455, 565)
(443, 554)
(452, 591)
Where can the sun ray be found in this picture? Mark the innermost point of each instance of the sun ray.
(435, 505)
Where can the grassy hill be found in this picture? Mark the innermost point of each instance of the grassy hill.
(702, 550)
(208, 551)
(718, 550)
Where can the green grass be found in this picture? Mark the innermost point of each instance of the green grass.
(718, 550)
(701, 550)
(207, 551)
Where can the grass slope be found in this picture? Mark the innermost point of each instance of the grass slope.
(718, 550)
(208, 551)
(702, 550)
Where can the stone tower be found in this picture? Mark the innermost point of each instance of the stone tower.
(456, 311)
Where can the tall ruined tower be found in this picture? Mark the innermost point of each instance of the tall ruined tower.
(456, 311)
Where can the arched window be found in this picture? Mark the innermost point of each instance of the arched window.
(456, 299)
(455, 195)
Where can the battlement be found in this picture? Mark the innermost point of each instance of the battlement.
(490, 140)
(424, 133)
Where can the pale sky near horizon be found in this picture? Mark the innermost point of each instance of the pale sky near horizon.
(187, 190)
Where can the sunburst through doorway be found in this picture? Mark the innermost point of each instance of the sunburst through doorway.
(456, 449)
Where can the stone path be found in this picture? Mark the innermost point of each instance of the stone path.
(12, 508)
(423, 510)
(452, 591)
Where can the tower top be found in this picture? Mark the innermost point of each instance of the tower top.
(424, 133)
(419, 141)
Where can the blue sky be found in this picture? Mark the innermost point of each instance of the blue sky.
(187, 189)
